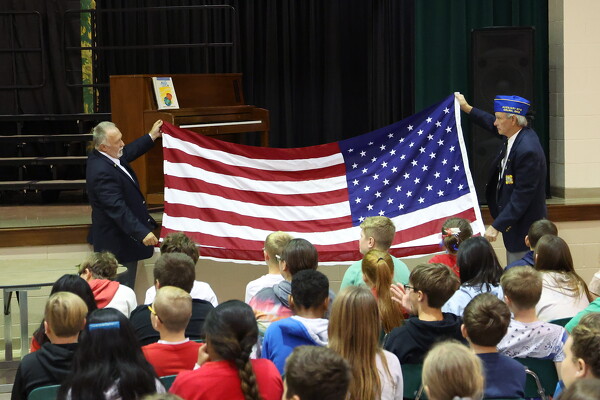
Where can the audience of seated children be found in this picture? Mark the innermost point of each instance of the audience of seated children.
(538, 229)
(454, 232)
(480, 272)
(582, 389)
(272, 303)
(564, 293)
(527, 336)
(316, 373)
(274, 245)
(66, 283)
(64, 318)
(172, 269)
(309, 302)
(100, 270)
(582, 355)
(226, 371)
(375, 233)
(452, 371)
(109, 363)
(170, 315)
(485, 323)
(354, 328)
(179, 242)
(378, 271)
(430, 286)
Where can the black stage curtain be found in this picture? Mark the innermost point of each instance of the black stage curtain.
(40, 74)
(326, 70)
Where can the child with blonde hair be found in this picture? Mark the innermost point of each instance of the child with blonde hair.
(454, 232)
(378, 272)
(170, 315)
(452, 370)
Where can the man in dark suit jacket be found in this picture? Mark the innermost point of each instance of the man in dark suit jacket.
(121, 222)
(516, 189)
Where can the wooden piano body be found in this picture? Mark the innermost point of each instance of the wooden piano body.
(210, 104)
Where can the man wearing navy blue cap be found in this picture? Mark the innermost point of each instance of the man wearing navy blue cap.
(516, 189)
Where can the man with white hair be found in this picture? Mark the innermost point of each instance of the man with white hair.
(516, 189)
(121, 223)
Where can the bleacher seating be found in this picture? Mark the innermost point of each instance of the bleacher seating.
(45, 153)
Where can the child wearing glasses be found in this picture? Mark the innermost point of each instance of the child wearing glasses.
(430, 286)
(170, 314)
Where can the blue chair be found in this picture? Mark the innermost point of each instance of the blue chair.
(44, 393)
(167, 381)
(411, 374)
(541, 377)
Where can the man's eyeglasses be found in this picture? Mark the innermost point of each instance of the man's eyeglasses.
(154, 312)
(407, 286)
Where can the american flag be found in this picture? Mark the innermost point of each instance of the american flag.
(228, 197)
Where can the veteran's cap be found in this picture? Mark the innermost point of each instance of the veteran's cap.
(511, 105)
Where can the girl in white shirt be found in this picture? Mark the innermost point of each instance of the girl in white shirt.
(564, 292)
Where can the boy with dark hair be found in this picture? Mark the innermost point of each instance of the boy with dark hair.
(527, 336)
(309, 301)
(375, 233)
(179, 242)
(171, 269)
(170, 315)
(316, 373)
(64, 318)
(538, 229)
(430, 286)
(485, 322)
(274, 245)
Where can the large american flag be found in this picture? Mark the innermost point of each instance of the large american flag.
(229, 197)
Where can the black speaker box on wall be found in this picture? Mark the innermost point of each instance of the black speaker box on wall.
(501, 63)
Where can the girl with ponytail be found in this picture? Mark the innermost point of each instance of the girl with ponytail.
(378, 272)
(226, 371)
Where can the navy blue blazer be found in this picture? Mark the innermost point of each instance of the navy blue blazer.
(519, 198)
(120, 218)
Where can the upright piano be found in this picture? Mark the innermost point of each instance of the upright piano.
(210, 104)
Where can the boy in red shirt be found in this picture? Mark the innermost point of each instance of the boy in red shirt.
(170, 314)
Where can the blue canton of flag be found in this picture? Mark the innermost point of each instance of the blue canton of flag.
(407, 166)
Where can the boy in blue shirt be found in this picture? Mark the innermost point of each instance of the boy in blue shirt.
(309, 302)
(485, 322)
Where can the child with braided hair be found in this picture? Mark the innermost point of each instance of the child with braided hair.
(454, 232)
(226, 371)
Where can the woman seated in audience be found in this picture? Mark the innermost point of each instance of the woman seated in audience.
(66, 283)
(109, 363)
(378, 272)
(480, 272)
(226, 369)
(564, 292)
(354, 327)
(451, 370)
(454, 232)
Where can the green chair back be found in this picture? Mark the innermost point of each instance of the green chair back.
(562, 322)
(541, 377)
(44, 393)
(167, 381)
(411, 374)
